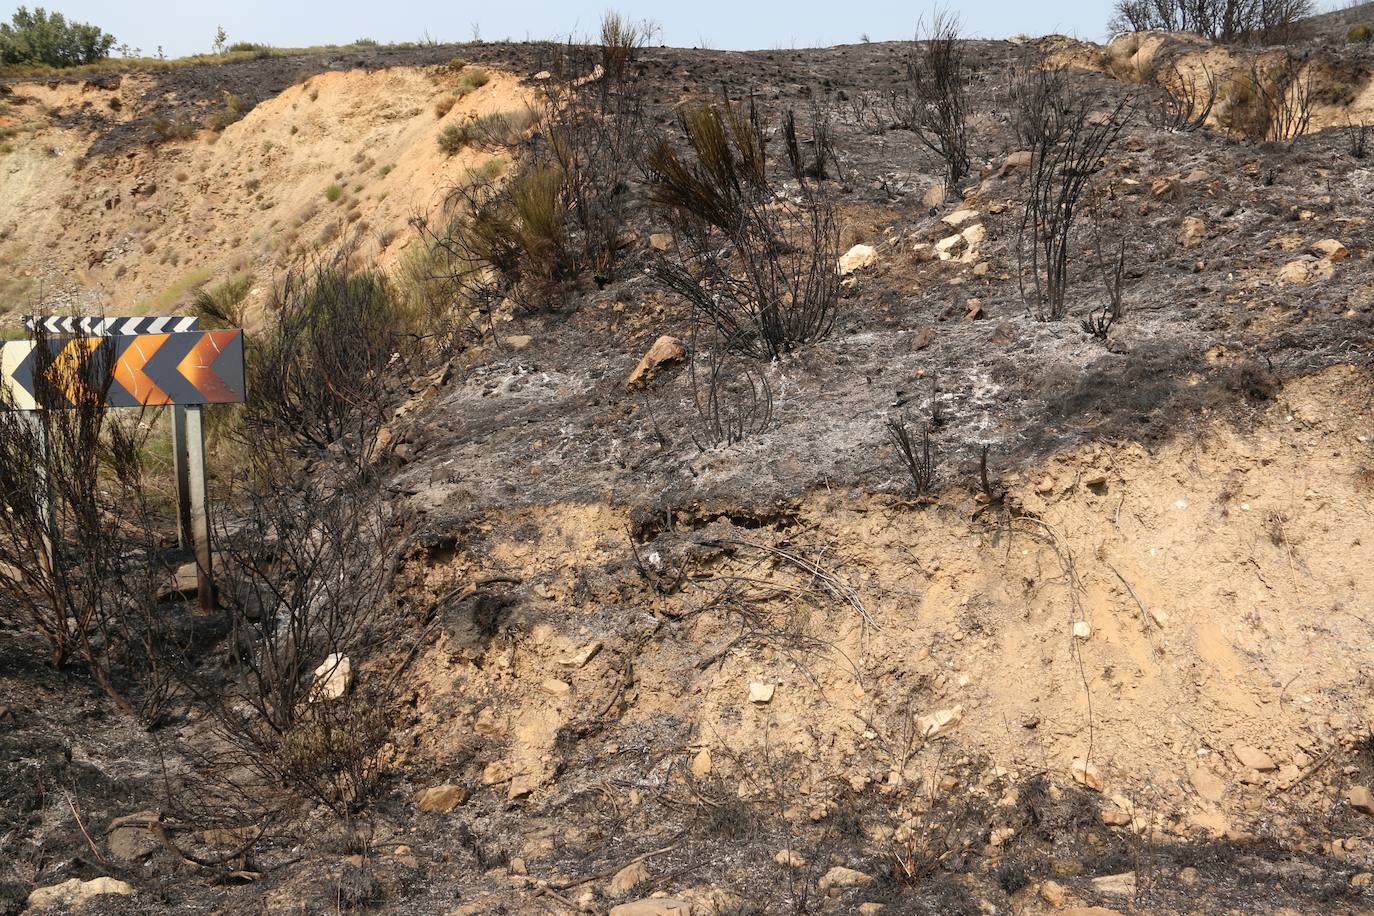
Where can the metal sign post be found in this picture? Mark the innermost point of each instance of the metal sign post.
(166, 364)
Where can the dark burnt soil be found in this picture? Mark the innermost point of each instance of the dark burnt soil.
(1210, 329)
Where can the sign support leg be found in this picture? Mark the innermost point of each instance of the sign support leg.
(43, 492)
(199, 505)
(181, 467)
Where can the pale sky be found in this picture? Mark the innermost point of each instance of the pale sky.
(183, 27)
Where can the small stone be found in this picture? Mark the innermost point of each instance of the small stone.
(627, 879)
(653, 906)
(857, 258)
(871, 909)
(1188, 876)
(440, 799)
(1208, 784)
(1122, 885)
(789, 859)
(519, 341)
(934, 196)
(945, 246)
(922, 339)
(1000, 836)
(839, 878)
(959, 217)
(1363, 879)
(1114, 816)
(1192, 232)
(665, 351)
(1360, 799)
(660, 241)
(580, 658)
(760, 692)
(1331, 249)
(701, 763)
(556, 688)
(973, 310)
(1046, 485)
(1082, 629)
(939, 722)
(1086, 774)
(1053, 893)
(1253, 757)
(74, 892)
(332, 677)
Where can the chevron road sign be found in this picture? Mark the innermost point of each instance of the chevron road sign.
(109, 326)
(184, 368)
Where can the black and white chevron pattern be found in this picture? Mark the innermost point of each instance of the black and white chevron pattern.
(96, 326)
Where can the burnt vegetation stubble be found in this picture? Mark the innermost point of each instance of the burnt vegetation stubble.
(308, 569)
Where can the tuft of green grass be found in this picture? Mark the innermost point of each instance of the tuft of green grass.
(332, 193)
(166, 300)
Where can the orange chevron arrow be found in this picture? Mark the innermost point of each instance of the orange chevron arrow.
(199, 365)
(65, 372)
(129, 370)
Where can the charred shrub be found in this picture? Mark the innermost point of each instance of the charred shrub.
(1260, 21)
(938, 96)
(757, 264)
(1068, 144)
(319, 373)
(78, 548)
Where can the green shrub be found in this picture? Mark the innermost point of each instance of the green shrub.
(454, 137)
(1360, 33)
(332, 193)
(472, 80)
(40, 37)
(220, 307)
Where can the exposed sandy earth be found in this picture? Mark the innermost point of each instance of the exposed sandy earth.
(128, 232)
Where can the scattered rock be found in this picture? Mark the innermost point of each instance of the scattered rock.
(973, 310)
(760, 692)
(627, 879)
(1360, 799)
(857, 258)
(1363, 879)
(440, 799)
(1053, 893)
(939, 722)
(185, 583)
(653, 906)
(556, 688)
(789, 859)
(660, 241)
(871, 909)
(945, 246)
(1114, 815)
(1306, 269)
(1086, 774)
(1188, 876)
(1253, 757)
(959, 217)
(934, 196)
(922, 339)
(519, 341)
(1122, 885)
(701, 763)
(332, 677)
(1331, 249)
(666, 351)
(1208, 784)
(1192, 232)
(580, 658)
(839, 878)
(1082, 629)
(75, 892)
